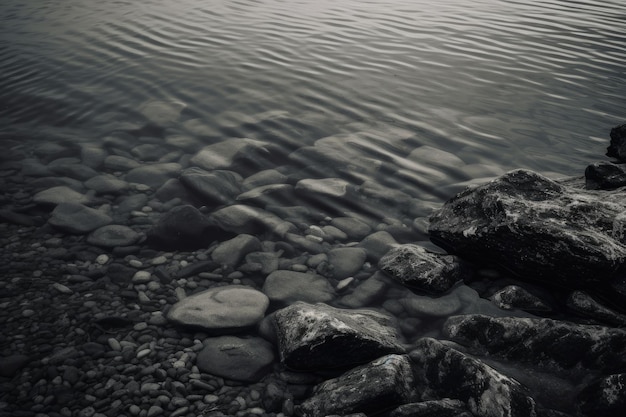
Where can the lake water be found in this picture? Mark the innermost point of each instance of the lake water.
(405, 101)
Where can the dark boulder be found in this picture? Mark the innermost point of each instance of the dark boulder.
(433, 408)
(605, 176)
(585, 305)
(617, 148)
(605, 397)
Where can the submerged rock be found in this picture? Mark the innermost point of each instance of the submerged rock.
(617, 148)
(76, 218)
(285, 287)
(415, 267)
(548, 343)
(216, 187)
(321, 337)
(443, 372)
(433, 408)
(537, 228)
(377, 386)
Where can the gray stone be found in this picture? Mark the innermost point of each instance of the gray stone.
(240, 218)
(415, 267)
(554, 344)
(113, 235)
(617, 148)
(149, 152)
(377, 386)
(346, 262)
(60, 194)
(106, 184)
(154, 175)
(223, 155)
(268, 194)
(265, 177)
(120, 163)
(583, 304)
(286, 287)
(604, 397)
(73, 170)
(78, 219)
(378, 244)
(537, 228)
(132, 202)
(235, 358)
(514, 296)
(233, 251)
(321, 337)
(162, 113)
(367, 292)
(326, 188)
(215, 187)
(221, 308)
(443, 372)
(605, 176)
(427, 155)
(433, 408)
(354, 228)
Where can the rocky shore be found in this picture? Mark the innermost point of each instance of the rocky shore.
(148, 280)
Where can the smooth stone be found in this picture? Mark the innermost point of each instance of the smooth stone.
(77, 218)
(285, 287)
(198, 127)
(326, 187)
(60, 194)
(162, 113)
(92, 156)
(354, 228)
(377, 386)
(131, 203)
(221, 308)
(154, 175)
(112, 236)
(317, 336)
(235, 358)
(346, 262)
(233, 251)
(120, 163)
(73, 170)
(428, 155)
(265, 177)
(378, 244)
(368, 292)
(223, 155)
(216, 187)
(268, 194)
(149, 152)
(106, 184)
(240, 218)
(425, 306)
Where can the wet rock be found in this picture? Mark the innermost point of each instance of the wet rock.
(285, 287)
(265, 177)
(235, 358)
(415, 267)
(320, 337)
(433, 408)
(378, 244)
(326, 188)
(221, 308)
(605, 176)
(583, 304)
(162, 113)
(268, 194)
(120, 163)
(367, 292)
(346, 262)
(443, 372)
(184, 228)
(377, 386)
(617, 148)
(72, 170)
(536, 228)
(224, 155)
(233, 251)
(215, 187)
(427, 155)
(106, 184)
(425, 306)
(551, 344)
(604, 397)
(513, 296)
(78, 219)
(354, 228)
(154, 175)
(60, 194)
(148, 152)
(10, 365)
(240, 218)
(113, 235)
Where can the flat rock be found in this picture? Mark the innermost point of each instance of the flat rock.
(377, 386)
(162, 113)
(235, 358)
(548, 343)
(113, 235)
(106, 184)
(378, 244)
(233, 251)
(268, 194)
(241, 218)
(120, 163)
(77, 218)
(346, 262)
(326, 187)
(285, 287)
(265, 177)
(443, 372)
(415, 267)
(354, 228)
(223, 155)
(433, 408)
(153, 175)
(321, 337)
(215, 187)
(60, 194)
(536, 228)
(221, 308)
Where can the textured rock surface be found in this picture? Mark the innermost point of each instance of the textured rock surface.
(443, 372)
(221, 308)
(605, 397)
(319, 336)
(433, 408)
(379, 385)
(605, 176)
(415, 267)
(583, 304)
(617, 148)
(513, 296)
(548, 343)
(536, 228)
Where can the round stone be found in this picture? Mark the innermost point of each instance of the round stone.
(113, 236)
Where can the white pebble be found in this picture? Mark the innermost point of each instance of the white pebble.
(143, 353)
(210, 398)
(344, 283)
(135, 263)
(62, 288)
(141, 277)
(159, 260)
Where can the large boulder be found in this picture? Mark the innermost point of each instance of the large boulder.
(377, 386)
(537, 228)
(321, 337)
(443, 372)
(548, 343)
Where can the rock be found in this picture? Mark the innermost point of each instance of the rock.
(367, 292)
(221, 308)
(617, 148)
(233, 251)
(513, 296)
(112, 236)
(286, 287)
(154, 175)
(417, 268)
(324, 188)
(605, 176)
(443, 372)
(346, 262)
(378, 244)
(377, 386)
(78, 219)
(184, 228)
(120, 163)
(149, 152)
(132, 202)
(536, 228)
(60, 194)
(321, 337)
(265, 177)
(433, 408)
(162, 113)
(268, 194)
(10, 365)
(224, 155)
(240, 218)
(354, 228)
(427, 155)
(423, 306)
(73, 170)
(604, 397)
(106, 184)
(235, 358)
(583, 304)
(216, 187)
(551, 344)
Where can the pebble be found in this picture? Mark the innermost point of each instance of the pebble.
(141, 277)
(62, 288)
(114, 344)
(102, 259)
